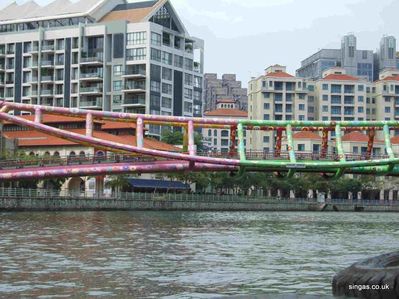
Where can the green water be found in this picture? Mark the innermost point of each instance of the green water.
(184, 254)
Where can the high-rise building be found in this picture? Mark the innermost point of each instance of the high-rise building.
(276, 95)
(386, 55)
(356, 62)
(101, 54)
(227, 87)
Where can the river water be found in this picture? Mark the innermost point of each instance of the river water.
(183, 254)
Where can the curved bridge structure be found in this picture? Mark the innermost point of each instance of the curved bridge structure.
(239, 159)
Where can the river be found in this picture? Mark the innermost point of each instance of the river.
(183, 254)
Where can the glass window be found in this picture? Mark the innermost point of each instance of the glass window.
(266, 139)
(167, 58)
(325, 86)
(166, 74)
(325, 97)
(266, 106)
(360, 109)
(117, 70)
(387, 109)
(117, 100)
(188, 79)
(188, 64)
(266, 116)
(166, 102)
(360, 87)
(117, 85)
(136, 54)
(166, 38)
(325, 108)
(167, 88)
(188, 107)
(155, 86)
(302, 107)
(155, 39)
(136, 38)
(156, 54)
(188, 93)
(178, 61)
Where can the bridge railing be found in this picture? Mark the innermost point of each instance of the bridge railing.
(19, 193)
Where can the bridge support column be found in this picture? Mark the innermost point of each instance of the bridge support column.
(370, 143)
(390, 195)
(89, 125)
(359, 195)
(38, 115)
(233, 137)
(191, 141)
(382, 193)
(140, 132)
(100, 185)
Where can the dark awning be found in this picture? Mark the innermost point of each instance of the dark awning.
(158, 184)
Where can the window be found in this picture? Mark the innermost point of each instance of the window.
(387, 109)
(136, 54)
(335, 99)
(188, 107)
(335, 110)
(166, 38)
(225, 133)
(266, 139)
(155, 103)
(301, 107)
(188, 79)
(325, 86)
(188, 64)
(266, 95)
(188, 93)
(117, 85)
(325, 108)
(266, 106)
(117, 100)
(166, 74)
(336, 88)
(155, 39)
(325, 97)
(311, 87)
(360, 87)
(167, 88)
(155, 86)
(117, 70)
(301, 147)
(301, 117)
(136, 38)
(156, 54)
(360, 99)
(167, 103)
(179, 61)
(197, 96)
(360, 109)
(266, 116)
(301, 96)
(167, 58)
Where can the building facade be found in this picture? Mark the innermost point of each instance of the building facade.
(227, 87)
(101, 54)
(356, 62)
(218, 140)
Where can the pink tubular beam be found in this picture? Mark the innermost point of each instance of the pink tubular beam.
(191, 142)
(38, 115)
(89, 125)
(140, 132)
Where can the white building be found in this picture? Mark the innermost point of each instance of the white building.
(101, 54)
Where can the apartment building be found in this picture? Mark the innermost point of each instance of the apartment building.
(277, 95)
(341, 97)
(226, 87)
(356, 62)
(385, 57)
(101, 54)
(218, 140)
(386, 96)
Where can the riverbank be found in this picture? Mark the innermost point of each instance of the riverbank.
(160, 203)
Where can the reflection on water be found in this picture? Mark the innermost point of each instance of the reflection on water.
(183, 254)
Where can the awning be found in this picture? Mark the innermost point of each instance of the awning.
(158, 184)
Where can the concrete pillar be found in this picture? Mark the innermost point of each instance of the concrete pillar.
(350, 196)
(311, 194)
(359, 195)
(279, 193)
(329, 195)
(382, 195)
(191, 142)
(269, 193)
(390, 194)
(89, 125)
(99, 185)
(292, 194)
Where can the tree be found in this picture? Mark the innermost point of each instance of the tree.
(118, 183)
(175, 137)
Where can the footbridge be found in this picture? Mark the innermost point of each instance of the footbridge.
(285, 163)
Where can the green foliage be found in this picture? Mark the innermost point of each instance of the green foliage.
(176, 138)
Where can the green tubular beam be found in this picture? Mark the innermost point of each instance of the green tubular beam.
(241, 148)
(340, 149)
(388, 145)
(291, 150)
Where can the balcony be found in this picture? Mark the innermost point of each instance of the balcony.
(134, 74)
(96, 103)
(91, 76)
(47, 78)
(91, 90)
(2, 67)
(136, 101)
(134, 87)
(10, 52)
(47, 48)
(47, 63)
(9, 81)
(59, 62)
(46, 92)
(33, 49)
(96, 59)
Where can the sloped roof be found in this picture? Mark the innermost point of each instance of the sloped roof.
(340, 77)
(279, 75)
(391, 78)
(132, 12)
(59, 8)
(357, 136)
(227, 113)
(306, 135)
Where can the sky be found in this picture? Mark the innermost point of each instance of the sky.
(246, 36)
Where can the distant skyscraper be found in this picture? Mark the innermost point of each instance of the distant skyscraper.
(385, 58)
(358, 63)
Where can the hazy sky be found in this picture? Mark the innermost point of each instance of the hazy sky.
(246, 36)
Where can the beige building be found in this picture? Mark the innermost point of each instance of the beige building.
(276, 95)
(218, 140)
(341, 97)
